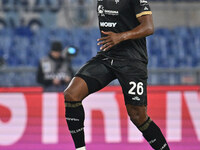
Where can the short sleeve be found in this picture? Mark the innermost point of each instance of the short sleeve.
(141, 8)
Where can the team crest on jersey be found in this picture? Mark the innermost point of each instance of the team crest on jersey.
(100, 10)
(143, 2)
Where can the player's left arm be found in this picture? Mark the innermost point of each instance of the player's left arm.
(144, 29)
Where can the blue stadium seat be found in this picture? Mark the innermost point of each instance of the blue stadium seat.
(82, 39)
(41, 34)
(172, 63)
(153, 61)
(19, 49)
(23, 31)
(154, 45)
(37, 50)
(163, 32)
(181, 32)
(5, 45)
(6, 32)
(62, 35)
(195, 31)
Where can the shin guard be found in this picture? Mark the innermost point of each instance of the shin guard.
(153, 135)
(75, 116)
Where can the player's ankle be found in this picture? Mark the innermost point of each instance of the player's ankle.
(81, 148)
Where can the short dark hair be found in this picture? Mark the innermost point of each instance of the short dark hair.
(56, 46)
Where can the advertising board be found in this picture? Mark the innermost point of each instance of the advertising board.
(31, 119)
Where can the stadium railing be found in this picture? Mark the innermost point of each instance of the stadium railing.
(26, 76)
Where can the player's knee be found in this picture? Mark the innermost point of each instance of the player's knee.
(70, 97)
(135, 117)
(137, 114)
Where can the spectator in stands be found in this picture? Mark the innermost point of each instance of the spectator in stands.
(54, 71)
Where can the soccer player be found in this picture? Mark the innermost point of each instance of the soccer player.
(124, 24)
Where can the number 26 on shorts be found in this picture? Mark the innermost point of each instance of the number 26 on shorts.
(138, 86)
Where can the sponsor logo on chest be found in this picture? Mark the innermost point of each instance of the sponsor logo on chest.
(101, 11)
(108, 24)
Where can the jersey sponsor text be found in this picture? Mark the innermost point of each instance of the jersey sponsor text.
(108, 24)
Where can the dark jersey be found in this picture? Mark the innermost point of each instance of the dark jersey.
(120, 16)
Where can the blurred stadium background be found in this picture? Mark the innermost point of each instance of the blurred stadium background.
(27, 28)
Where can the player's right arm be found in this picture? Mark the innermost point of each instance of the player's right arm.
(145, 28)
(144, 16)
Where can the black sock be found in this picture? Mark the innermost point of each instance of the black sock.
(75, 116)
(153, 135)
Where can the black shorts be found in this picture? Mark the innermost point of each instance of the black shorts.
(132, 76)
